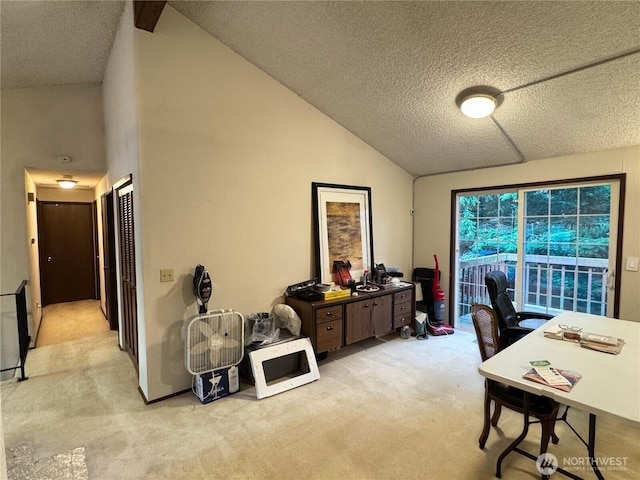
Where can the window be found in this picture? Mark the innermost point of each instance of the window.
(556, 244)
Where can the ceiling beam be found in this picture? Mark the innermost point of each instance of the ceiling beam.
(147, 13)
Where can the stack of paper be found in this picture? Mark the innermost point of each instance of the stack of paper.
(542, 372)
(593, 341)
(602, 343)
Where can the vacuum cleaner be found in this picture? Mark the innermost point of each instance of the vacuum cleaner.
(435, 323)
(202, 288)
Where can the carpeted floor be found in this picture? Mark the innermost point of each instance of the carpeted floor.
(383, 409)
(64, 322)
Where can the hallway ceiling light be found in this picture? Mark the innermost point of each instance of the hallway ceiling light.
(67, 182)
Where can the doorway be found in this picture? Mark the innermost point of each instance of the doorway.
(109, 260)
(556, 243)
(66, 232)
(128, 291)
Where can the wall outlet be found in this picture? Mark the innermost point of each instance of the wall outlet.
(166, 275)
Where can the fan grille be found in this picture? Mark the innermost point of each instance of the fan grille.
(214, 341)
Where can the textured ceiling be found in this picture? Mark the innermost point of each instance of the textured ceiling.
(56, 42)
(390, 71)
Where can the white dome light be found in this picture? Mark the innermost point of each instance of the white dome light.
(66, 183)
(478, 106)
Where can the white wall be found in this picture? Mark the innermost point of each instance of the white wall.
(433, 207)
(121, 144)
(33, 245)
(38, 125)
(100, 189)
(82, 195)
(227, 158)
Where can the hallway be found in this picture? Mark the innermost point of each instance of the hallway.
(66, 322)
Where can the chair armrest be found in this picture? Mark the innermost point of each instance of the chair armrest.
(532, 315)
(511, 331)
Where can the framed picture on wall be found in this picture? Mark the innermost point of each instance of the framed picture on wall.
(342, 222)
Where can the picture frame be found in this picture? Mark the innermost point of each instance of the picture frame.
(343, 229)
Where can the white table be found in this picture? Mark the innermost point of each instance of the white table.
(610, 384)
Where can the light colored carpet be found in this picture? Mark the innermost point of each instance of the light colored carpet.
(64, 322)
(383, 409)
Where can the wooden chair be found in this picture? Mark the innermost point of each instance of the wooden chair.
(544, 409)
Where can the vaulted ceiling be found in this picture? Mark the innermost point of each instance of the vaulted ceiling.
(390, 72)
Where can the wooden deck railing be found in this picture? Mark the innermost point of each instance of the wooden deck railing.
(540, 293)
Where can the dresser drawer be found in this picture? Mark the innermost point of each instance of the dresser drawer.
(328, 335)
(327, 314)
(402, 309)
(402, 320)
(404, 296)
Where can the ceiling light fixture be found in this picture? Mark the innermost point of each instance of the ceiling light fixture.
(67, 182)
(479, 102)
(478, 106)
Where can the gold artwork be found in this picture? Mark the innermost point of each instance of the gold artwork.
(344, 233)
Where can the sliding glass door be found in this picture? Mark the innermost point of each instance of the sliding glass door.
(556, 245)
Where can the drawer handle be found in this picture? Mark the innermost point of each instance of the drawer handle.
(403, 308)
(366, 305)
(403, 296)
(375, 304)
(329, 328)
(329, 314)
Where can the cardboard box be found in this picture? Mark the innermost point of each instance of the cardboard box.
(212, 386)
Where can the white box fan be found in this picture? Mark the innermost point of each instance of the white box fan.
(214, 346)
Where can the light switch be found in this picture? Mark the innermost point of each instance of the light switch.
(632, 264)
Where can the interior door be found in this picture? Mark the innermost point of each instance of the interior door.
(128, 271)
(109, 260)
(67, 263)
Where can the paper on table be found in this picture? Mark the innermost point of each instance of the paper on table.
(551, 376)
(570, 377)
(554, 332)
(593, 341)
(603, 347)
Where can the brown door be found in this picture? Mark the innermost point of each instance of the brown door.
(109, 261)
(67, 266)
(128, 271)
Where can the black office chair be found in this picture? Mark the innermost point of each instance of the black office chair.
(509, 320)
(544, 409)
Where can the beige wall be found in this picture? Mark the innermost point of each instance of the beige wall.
(121, 145)
(100, 189)
(227, 157)
(46, 194)
(33, 246)
(433, 207)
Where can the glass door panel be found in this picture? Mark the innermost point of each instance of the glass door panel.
(555, 245)
(566, 239)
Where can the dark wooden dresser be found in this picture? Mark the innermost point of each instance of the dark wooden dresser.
(331, 324)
